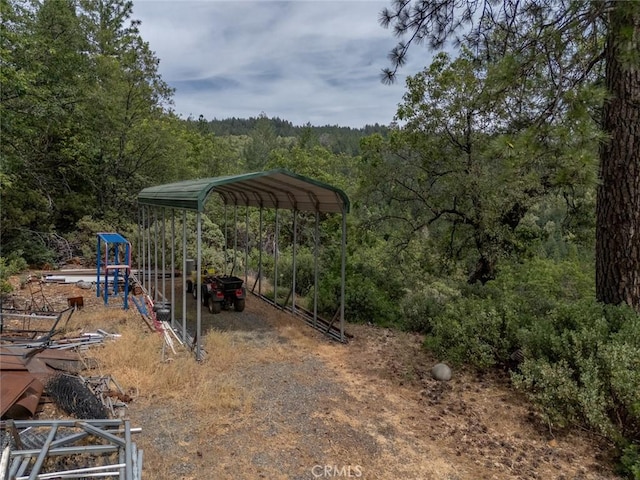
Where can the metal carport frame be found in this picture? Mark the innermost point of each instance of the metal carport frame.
(277, 189)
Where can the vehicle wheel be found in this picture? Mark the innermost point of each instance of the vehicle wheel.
(214, 307)
(189, 286)
(204, 296)
(194, 291)
(239, 304)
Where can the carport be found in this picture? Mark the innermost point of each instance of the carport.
(274, 189)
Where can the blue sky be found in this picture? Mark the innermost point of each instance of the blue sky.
(304, 61)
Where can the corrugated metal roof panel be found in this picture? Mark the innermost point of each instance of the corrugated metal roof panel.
(271, 189)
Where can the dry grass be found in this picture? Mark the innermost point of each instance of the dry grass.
(147, 369)
(273, 402)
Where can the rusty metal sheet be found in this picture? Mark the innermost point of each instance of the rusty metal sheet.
(26, 406)
(12, 386)
(11, 360)
(36, 367)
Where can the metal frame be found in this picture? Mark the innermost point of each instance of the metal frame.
(68, 437)
(116, 240)
(274, 189)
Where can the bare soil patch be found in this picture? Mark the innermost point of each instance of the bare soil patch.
(275, 399)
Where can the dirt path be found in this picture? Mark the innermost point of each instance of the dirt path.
(318, 409)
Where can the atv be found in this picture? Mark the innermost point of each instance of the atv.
(222, 292)
(192, 282)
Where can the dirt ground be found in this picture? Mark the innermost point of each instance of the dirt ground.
(314, 408)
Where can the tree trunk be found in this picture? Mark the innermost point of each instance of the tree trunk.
(618, 204)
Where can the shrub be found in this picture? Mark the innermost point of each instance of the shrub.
(8, 267)
(304, 270)
(583, 367)
(484, 324)
(473, 330)
(422, 305)
(630, 461)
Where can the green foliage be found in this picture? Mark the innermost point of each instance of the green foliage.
(374, 286)
(304, 270)
(483, 324)
(463, 176)
(582, 362)
(83, 240)
(314, 162)
(85, 122)
(8, 268)
(630, 461)
(336, 139)
(583, 367)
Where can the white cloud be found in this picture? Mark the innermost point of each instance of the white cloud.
(303, 61)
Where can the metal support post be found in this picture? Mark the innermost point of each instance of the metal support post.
(144, 251)
(260, 255)
(235, 238)
(155, 254)
(295, 248)
(246, 245)
(343, 271)
(149, 286)
(184, 276)
(173, 267)
(316, 252)
(199, 285)
(275, 261)
(164, 249)
(226, 243)
(139, 244)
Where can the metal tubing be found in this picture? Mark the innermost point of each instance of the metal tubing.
(155, 254)
(140, 459)
(75, 472)
(184, 276)
(246, 245)
(43, 453)
(173, 268)
(260, 255)
(315, 269)
(149, 287)
(64, 423)
(343, 271)
(15, 466)
(226, 243)
(295, 245)
(199, 285)
(275, 261)
(4, 462)
(121, 460)
(164, 249)
(139, 242)
(68, 450)
(98, 269)
(127, 451)
(23, 466)
(144, 252)
(98, 432)
(235, 238)
(134, 461)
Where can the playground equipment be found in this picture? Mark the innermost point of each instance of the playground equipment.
(114, 260)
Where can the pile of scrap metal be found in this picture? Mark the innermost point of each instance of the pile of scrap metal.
(52, 449)
(35, 367)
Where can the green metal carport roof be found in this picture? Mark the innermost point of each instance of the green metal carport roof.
(271, 189)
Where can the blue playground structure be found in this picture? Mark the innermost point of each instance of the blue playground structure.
(113, 262)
